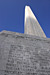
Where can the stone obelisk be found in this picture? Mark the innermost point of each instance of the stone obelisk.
(32, 27)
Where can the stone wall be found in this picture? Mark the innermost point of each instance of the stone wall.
(22, 54)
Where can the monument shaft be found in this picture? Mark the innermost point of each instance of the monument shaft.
(32, 26)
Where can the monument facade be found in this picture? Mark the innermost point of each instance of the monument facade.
(32, 27)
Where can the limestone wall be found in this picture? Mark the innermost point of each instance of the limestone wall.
(22, 54)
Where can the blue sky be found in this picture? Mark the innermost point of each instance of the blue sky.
(12, 14)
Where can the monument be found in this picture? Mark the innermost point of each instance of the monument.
(24, 54)
(32, 27)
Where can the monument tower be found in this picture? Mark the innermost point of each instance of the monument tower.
(32, 26)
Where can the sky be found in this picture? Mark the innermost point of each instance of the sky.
(12, 14)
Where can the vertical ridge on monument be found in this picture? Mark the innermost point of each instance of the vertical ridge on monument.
(32, 27)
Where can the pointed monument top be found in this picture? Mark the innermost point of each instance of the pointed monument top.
(29, 13)
(32, 26)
